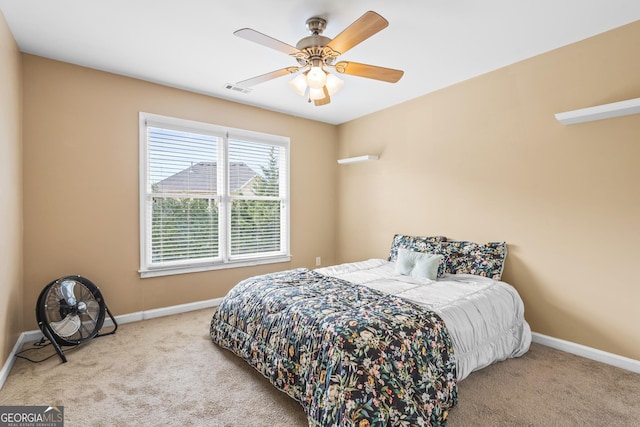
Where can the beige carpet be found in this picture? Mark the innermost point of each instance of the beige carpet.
(166, 371)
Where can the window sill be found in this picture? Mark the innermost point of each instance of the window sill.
(156, 272)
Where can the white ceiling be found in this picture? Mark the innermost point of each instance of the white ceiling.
(189, 44)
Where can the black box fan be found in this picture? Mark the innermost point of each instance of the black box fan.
(70, 311)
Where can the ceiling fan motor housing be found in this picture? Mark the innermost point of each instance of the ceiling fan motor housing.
(314, 49)
(312, 41)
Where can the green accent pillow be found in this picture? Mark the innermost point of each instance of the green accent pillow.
(418, 264)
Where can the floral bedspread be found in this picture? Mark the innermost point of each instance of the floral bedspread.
(352, 356)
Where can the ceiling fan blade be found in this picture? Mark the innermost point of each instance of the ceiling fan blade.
(369, 71)
(325, 100)
(269, 76)
(360, 30)
(263, 39)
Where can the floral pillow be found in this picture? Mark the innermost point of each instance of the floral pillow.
(461, 257)
(414, 243)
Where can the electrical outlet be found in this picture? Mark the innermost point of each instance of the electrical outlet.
(318, 261)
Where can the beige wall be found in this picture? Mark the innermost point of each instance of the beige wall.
(81, 184)
(482, 160)
(486, 160)
(11, 308)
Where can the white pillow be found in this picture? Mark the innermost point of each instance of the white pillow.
(418, 264)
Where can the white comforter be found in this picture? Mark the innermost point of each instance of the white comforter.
(485, 317)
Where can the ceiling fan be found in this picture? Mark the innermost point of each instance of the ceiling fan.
(317, 53)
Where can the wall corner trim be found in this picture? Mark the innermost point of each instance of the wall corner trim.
(8, 364)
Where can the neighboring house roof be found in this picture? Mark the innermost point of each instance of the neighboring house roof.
(203, 178)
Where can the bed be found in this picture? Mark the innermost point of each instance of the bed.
(382, 341)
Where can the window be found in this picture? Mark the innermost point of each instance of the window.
(210, 197)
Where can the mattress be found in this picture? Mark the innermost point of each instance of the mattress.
(484, 317)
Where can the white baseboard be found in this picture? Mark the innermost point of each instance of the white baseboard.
(164, 311)
(8, 364)
(627, 363)
(567, 346)
(36, 335)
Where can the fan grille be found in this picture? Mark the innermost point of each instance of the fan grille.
(73, 309)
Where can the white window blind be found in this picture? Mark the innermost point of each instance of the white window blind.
(211, 197)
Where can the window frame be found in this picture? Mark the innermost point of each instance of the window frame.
(225, 260)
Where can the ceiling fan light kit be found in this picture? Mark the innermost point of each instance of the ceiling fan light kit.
(316, 54)
(299, 84)
(316, 78)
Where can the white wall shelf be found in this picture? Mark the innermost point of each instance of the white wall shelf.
(357, 159)
(599, 112)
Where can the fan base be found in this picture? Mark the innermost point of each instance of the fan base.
(47, 333)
